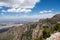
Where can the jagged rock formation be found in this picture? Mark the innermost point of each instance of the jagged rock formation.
(33, 31)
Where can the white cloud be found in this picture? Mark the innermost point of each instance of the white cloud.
(17, 10)
(19, 4)
(46, 11)
(3, 10)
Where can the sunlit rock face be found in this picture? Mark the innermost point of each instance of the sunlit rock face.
(55, 36)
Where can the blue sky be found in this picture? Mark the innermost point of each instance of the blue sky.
(28, 9)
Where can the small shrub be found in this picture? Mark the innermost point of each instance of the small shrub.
(46, 34)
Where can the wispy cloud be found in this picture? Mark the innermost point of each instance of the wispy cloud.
(17, 10)
(46, 11)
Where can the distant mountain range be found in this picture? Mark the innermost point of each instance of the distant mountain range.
(33, 30)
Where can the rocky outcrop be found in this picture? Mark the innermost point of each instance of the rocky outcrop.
(55, 36)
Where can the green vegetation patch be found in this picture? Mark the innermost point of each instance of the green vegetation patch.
(28, 35)
(57, 27)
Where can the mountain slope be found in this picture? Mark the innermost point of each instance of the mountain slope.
(34, 30)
